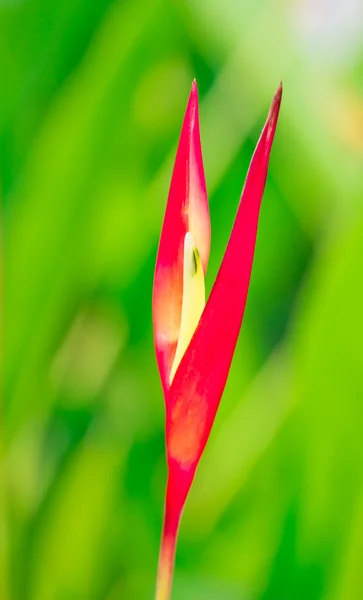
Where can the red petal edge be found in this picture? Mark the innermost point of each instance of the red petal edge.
(186, 210)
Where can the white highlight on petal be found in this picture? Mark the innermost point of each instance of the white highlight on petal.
(193, 299)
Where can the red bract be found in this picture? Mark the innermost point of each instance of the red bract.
(186, 211)
(195, 344)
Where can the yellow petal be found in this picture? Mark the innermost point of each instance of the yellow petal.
(193, 299)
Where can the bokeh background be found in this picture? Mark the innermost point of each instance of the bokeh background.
(92, 99)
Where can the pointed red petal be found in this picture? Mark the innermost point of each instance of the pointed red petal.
(187, 210)
(199, 382)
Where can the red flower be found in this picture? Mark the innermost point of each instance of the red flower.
(195, 341)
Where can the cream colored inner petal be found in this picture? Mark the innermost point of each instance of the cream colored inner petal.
(193, 299)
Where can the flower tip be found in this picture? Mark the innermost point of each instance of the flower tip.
(193, 97)
(273, 114)
(277, 98)
(275, 106)
(192, 106)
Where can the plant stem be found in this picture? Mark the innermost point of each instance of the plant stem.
(167, 552)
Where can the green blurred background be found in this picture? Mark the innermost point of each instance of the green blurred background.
(92, 99)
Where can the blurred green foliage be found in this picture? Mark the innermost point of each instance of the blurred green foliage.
(92, 99)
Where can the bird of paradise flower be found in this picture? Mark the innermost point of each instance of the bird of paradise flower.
(194, 340)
